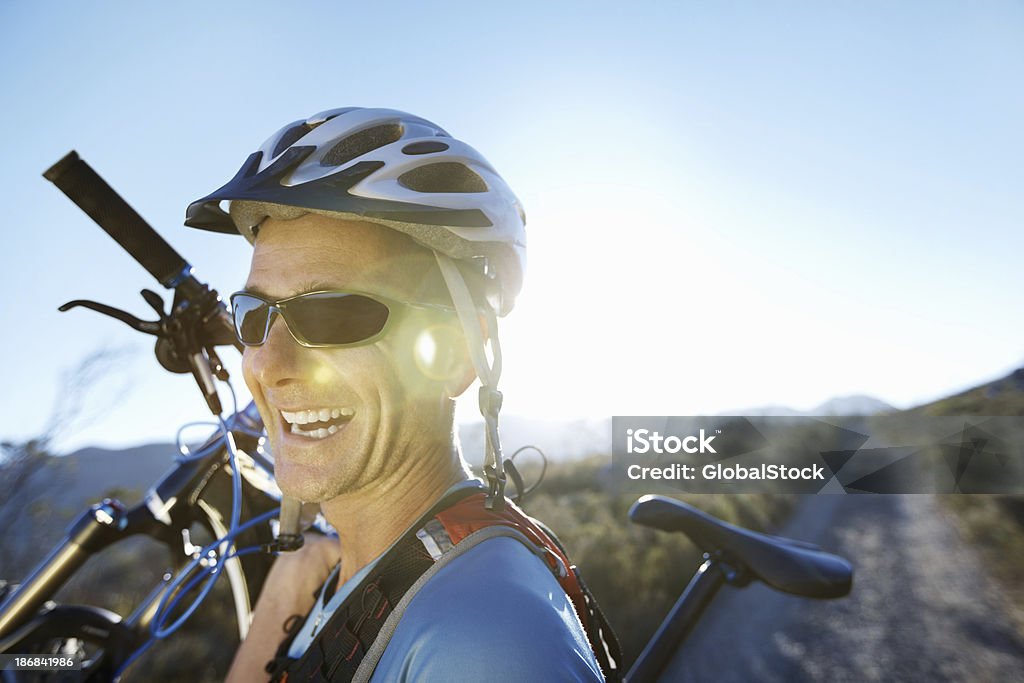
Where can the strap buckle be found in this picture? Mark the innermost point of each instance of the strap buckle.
(495, 489)
(490, 405)
(490, 401)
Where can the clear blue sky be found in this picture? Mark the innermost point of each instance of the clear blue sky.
(729, 204)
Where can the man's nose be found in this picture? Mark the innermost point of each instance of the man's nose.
(280, 359)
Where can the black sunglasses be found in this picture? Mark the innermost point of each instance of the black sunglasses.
(329, 318)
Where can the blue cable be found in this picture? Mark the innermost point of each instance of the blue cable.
(135, 655)
(199, 577)
(185, 453)
(167, 603)
(225, 543)
(192, 584)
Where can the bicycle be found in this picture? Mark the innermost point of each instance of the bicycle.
(230, 478)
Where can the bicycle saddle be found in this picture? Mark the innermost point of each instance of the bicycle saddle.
(784, 564)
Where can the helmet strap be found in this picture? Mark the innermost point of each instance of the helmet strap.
(489, 372)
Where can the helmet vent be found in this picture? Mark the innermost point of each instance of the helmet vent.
(425, 147)
(447, 176)
(291, 136)
(360, 143)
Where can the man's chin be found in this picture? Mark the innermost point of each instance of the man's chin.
(314, 472)
(304, 486)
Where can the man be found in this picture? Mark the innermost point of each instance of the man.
(384, 250)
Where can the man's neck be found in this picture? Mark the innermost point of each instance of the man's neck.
(369, 520)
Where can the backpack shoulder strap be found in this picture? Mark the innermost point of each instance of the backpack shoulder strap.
(376, 651)
(337, 648)
(447, 534)
(350, 644)
(599, 631)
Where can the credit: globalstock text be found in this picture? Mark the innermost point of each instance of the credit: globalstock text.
(718, 471)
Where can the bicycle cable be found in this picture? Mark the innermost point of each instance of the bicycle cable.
(212, 558)
(185, 453)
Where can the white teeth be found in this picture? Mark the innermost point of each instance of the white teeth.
(305, 417)
(321, 433)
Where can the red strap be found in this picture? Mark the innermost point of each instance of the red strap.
(470, 514)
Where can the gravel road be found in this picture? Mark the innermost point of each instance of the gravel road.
(922, 607)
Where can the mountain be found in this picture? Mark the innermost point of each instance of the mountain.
(73, 482)
(560, 440)
(575, 439)
(1003, 396)
(83, 476)
(68, 484)
(39, 512)
(856, 404)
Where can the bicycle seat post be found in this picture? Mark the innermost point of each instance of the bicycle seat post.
(680, 620)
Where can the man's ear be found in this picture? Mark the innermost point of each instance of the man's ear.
(463, 373)
(458, 384)
(441, 357)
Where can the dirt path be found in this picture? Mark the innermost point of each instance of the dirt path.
(922, 608)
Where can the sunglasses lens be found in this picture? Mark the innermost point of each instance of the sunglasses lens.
(251, 317)
(336, 318)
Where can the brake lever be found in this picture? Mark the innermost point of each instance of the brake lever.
(181, 347)
(149, 327)
(155, 302)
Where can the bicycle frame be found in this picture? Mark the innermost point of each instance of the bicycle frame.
(196, 490)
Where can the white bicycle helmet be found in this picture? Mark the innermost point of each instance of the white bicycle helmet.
(404, 172)
(388, 167)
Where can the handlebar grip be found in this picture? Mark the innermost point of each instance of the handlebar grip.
(94, 196)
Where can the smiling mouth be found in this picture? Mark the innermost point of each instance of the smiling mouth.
(319, 423)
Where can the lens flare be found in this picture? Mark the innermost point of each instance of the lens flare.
(426, 349)
(321, 375)
(436, 351)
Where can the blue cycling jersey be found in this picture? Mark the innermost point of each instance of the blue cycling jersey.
(495, 613)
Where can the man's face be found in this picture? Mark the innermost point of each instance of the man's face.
(388, 401)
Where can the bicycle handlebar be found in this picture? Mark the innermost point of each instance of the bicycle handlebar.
(103, 204)
(198, 320)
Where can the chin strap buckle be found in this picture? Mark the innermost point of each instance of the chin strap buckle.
(490, 402)
(284, 543)
(289, 530)
(495, 489)
(494, 466)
